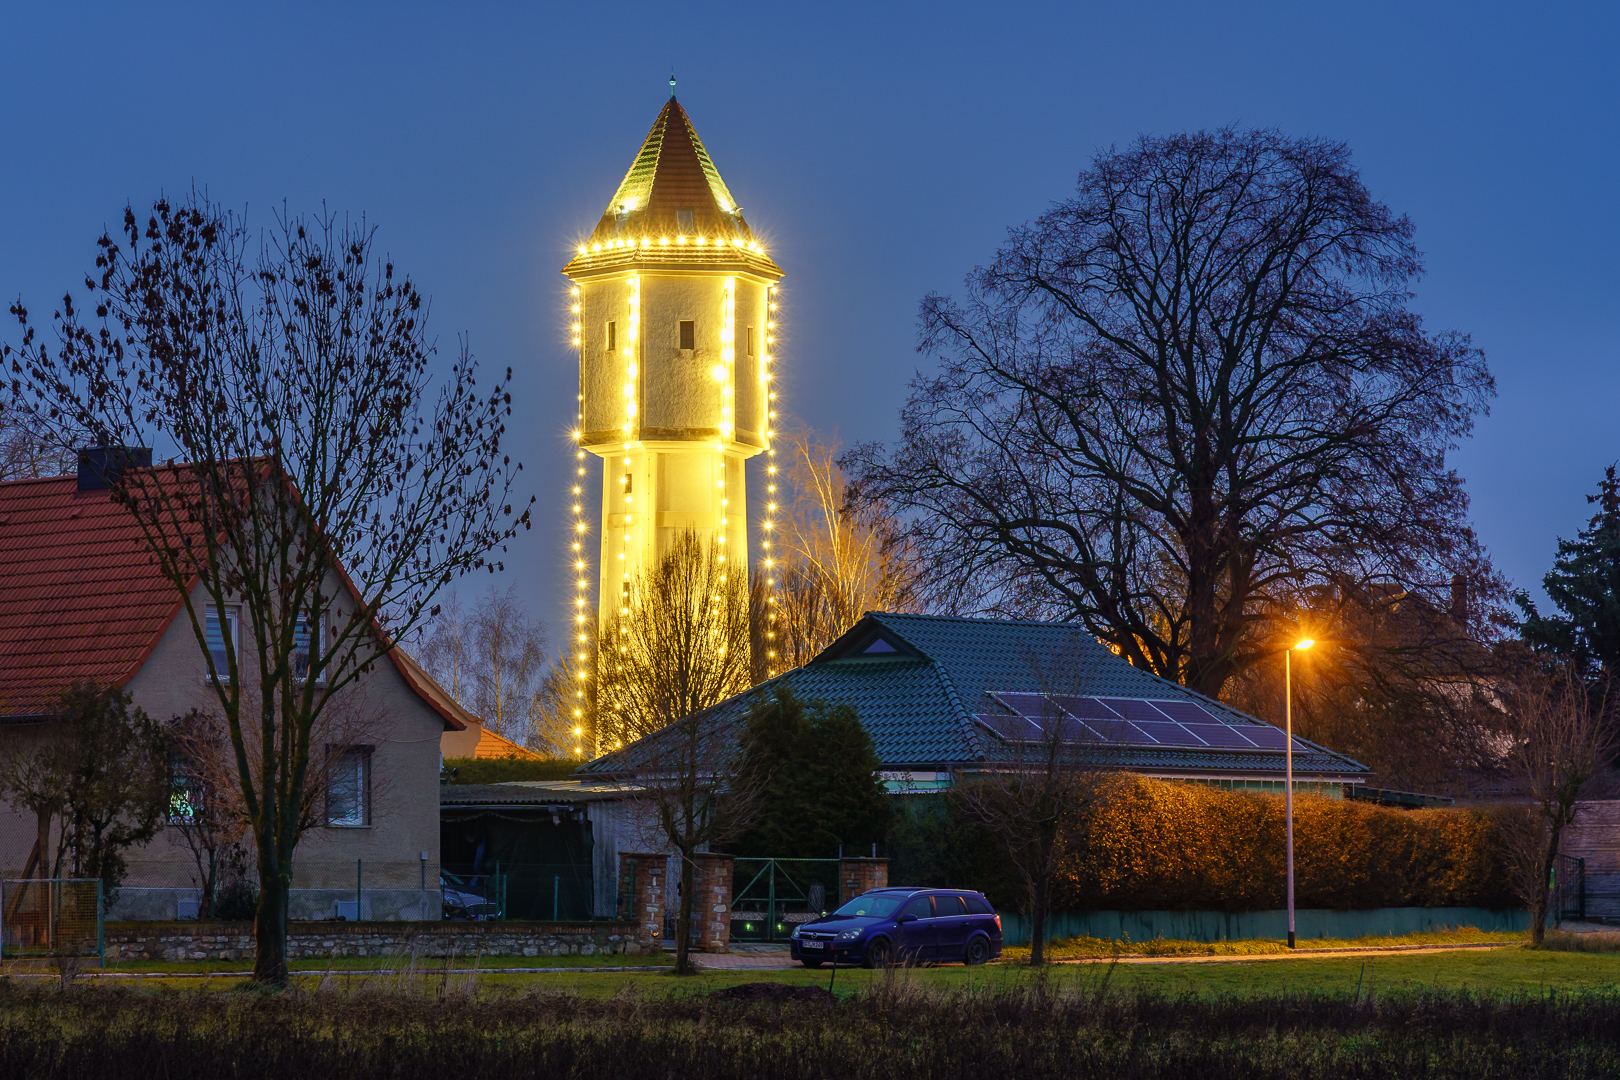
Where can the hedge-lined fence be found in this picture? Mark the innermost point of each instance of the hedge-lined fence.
(1143, 844)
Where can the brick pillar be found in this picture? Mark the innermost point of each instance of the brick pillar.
(856, 876)
(641, 895)
(711, 906)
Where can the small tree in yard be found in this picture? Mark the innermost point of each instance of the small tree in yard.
(678, 646)
(1032, 802)
(100, 767)
(205, 802)
(1562, 741)
(817, 776)
(327, 491)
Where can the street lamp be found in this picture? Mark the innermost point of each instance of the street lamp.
(1288, 791)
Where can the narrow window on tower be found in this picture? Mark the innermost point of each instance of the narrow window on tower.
(627, 484)
(750, 337)
(624, 594)
(612, 336)
(688, 335)
(683, 221)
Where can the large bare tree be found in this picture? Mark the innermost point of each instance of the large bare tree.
(327, 486)
(839, 560)
(679, 646)
(1182, 396)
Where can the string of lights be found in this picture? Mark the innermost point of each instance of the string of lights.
(579, 532)
(768, 530)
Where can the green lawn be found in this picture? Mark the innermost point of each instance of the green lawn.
(1088, 948)
(1506, 969)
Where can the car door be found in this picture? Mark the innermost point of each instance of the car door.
(917, 935)
(952, 926)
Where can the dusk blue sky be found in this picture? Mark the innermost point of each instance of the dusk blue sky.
(881, 149)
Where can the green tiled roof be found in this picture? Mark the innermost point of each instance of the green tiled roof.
(917, 697)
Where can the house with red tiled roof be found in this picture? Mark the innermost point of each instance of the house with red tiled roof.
(81, 600)
(477, 741)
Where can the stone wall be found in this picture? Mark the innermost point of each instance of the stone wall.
(857, 876)
(711, 906)
(308, 941)
(641, 897)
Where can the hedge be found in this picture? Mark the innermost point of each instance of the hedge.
(1144, 844)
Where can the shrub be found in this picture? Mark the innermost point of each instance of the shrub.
(505, 770)
(1157, 845)
(1150, 844)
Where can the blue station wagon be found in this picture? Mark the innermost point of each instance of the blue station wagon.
(906, 925)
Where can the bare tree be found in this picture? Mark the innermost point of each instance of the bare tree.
(1561, 742)
(328, 489)
(205, 804)
(557, 721)
(29, 449)
(839, 559)
(446, 645)
(679, 646)
(491, 659)
(1032, 800)
(1181, 397)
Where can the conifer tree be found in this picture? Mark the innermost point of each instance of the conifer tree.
(1584, 586)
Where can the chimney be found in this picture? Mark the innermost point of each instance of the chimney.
(1459, 598)
(101, 466)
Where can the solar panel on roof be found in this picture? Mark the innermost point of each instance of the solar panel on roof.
(1087, 708)
(1186, 712)
(1007, 728)
(1034, 706)
(1133, 709)
(1225, 736)
(1166, 732)
(1266, 738)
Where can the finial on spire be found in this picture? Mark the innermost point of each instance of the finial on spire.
(672, 84)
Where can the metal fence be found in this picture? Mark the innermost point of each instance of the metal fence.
(771, 896)
(536, 891)
(51, 917)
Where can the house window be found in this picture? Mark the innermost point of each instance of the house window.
(750, 338)
(220, 627)
(306, 643)
(184, 791)
(688, 335)
(684, 222)
(348, 786)
(612, 336)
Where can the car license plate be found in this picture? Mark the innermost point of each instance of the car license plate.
(812, 944)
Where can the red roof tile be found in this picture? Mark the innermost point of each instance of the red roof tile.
(81, 598)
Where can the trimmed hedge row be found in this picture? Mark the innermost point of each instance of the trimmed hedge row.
(1144, 844)
(1148, 844)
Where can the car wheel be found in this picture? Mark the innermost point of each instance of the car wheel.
(812, 963)
(877, 954)
(978, 951)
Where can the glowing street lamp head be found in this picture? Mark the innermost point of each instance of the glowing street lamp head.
(1305, 643)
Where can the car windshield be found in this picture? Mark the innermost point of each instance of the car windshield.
(876, 906)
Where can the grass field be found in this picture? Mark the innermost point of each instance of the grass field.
(1502, 970)
(1505, 1013)
(1090, 948)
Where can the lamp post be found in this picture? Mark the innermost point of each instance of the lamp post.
(1288, 755)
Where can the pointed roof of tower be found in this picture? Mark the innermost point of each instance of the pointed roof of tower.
(672, 172)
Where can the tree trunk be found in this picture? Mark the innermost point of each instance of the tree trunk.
(270, 925)
(683, 917)
(1541, 906)
(1037, 920)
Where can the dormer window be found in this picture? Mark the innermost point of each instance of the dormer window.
(878, 646)
(684, 222)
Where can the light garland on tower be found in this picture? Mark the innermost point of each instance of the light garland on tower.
(581, 634)
(728, 356)
(631, 370)
(769, 524)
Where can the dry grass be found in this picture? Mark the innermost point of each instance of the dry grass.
(899, 1026)
(1090, 948)
(1598, 941)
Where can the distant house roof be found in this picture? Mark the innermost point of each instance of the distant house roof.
(82, 599)
(938, 692)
